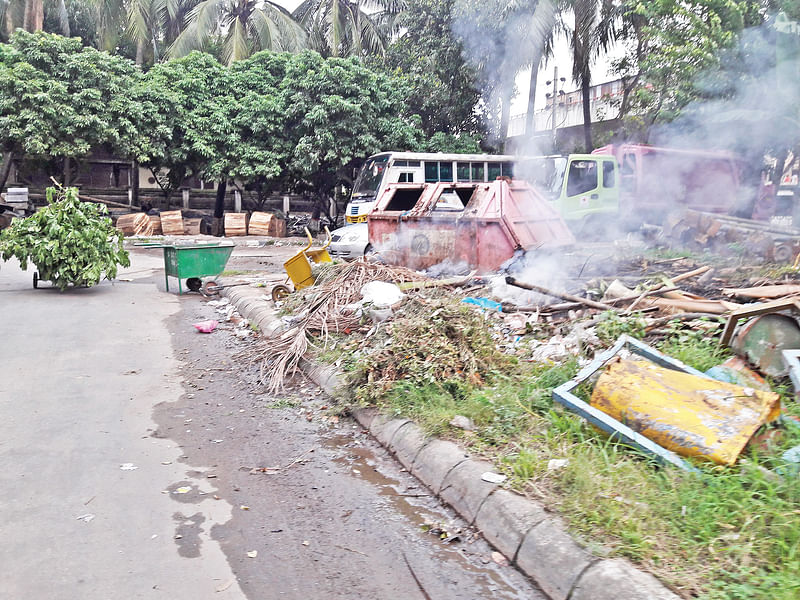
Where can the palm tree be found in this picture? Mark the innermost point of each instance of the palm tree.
(29, 15)
(349, 28)
(593, 31)
(244, 27)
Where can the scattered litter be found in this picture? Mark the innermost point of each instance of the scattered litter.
(306, 543)
(381, 294)
(483, 303)
(225, 585)
(792, 455)
(216, 441)
(462, 422)
(166, 462)
(499, 559)
(554, 464)
(206, 326)
(182, 490)
(490, 477)
(244, 507)
(85, 518)
(128, 467)
(252, 554)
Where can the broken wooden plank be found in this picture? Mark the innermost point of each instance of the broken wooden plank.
(563, 295)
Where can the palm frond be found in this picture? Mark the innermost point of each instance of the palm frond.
(236, 45)
(202, 22)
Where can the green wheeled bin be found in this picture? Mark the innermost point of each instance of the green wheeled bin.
(195, 262)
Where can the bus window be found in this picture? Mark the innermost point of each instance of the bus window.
(445, 171)
(494, 171)
(370, 176)
(406, 178)
(477, 172)
(400, 163)
(462, 171)
(608, 174)
(413, 163)
(507, 169)
(431, 172)
(582, 177)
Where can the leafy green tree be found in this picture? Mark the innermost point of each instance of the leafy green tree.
(59, 99)
(338, 111)
(441, 87)
(190, 94)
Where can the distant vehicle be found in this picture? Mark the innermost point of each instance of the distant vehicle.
(380, 170)
(349, 242)
(629, 184)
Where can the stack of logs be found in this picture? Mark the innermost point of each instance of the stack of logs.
(172, 223)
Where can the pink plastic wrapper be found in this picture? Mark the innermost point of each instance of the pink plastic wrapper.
(206, 326)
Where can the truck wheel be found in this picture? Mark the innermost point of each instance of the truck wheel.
(35, 280)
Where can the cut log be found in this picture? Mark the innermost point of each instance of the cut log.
(155, 222)
(172, 222)
(235, 224)
(134, 224)
(260, 223)
(277, 227)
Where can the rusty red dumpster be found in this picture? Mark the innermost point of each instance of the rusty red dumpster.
(482, 225)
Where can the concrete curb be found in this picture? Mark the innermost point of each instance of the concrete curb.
(532, 539)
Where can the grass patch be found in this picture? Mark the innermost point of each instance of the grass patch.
(234, 273)
(725, 533)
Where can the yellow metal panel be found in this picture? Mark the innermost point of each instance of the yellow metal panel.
(689, 415)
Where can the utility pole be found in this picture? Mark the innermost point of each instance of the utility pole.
(555, 99)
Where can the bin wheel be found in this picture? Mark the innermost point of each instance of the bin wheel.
(211, 288)
(783, 253)
(35, 280)
(279, 292)
(194, 284)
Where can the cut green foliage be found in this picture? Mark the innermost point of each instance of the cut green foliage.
(69, 241)
(695, 348)
(612, 325)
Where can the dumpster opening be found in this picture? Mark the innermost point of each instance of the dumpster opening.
(403, 199)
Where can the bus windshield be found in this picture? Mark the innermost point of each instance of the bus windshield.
(370, 177)
(545, 173)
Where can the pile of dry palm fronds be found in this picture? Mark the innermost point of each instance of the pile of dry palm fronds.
(324, 310)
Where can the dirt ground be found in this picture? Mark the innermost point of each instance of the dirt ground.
(330, 514)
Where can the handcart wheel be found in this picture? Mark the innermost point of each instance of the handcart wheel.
(35, 280)
(211, 288)
(279, 292)
(194, 284)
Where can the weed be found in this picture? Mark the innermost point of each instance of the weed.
(284, 403)
(234, 273)
(612, 325)
(693, 347)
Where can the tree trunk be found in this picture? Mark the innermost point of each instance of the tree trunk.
(66, 173)
(530, 116)
(587, 113)
(139, 52)
(135, 182)
(219, 202)
(5, 170)
(33, 17)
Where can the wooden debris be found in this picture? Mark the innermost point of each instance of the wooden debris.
(563, 295)
(172, 222)
(155, 223)
(764, 291)
(235, 224)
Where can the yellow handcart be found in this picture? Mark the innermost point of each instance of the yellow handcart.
(298, 268)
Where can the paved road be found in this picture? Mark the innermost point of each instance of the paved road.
(115, 412)
(74, 409)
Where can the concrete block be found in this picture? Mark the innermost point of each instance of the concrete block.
(365, 416)
(464, 490)
(550, 557)
(384, 430)
(505, 518)
(614, 579)
(407, 443)
(435, 461)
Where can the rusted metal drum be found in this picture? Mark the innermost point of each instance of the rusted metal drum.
(690, 415)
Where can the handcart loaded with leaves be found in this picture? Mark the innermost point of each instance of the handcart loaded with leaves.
(68, 241)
